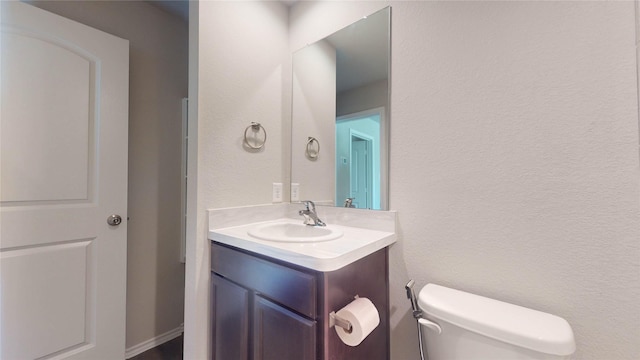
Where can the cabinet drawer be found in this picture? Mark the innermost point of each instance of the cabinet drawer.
(292, 288)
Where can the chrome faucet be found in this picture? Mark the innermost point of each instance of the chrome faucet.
(310, 215)
(349, 203)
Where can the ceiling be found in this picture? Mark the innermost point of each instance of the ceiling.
(366, 40)
(179, 8)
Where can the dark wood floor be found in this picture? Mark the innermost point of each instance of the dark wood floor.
(171, 350)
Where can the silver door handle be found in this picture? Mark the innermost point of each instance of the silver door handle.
(114, 220)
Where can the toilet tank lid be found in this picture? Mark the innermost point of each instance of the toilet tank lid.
(513, 324)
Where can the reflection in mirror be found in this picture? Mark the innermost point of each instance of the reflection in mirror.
(341, 98)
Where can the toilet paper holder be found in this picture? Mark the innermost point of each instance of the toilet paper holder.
(335, 320)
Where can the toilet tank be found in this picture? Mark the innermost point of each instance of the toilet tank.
(476, 327)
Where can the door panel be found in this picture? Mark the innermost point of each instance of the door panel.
(280, 334)
(31, 93)
(360, 173)
(47, 305)
(63, 171)
(230, 320)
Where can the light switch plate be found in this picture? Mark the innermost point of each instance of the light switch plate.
(277, 192)
(295, 192)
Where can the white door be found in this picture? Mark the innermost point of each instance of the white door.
(360, 173)
(63, 171)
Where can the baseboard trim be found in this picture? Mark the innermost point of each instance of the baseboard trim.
(151, 343)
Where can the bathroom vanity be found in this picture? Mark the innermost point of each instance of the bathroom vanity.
(272, 300)
(275, 281)
(266, 309)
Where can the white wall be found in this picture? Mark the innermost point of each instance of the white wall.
(158, 82)
(514, 159)
(242, 64)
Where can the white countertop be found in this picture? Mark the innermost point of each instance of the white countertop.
(355, 243)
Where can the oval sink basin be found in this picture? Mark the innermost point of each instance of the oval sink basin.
(287, 232)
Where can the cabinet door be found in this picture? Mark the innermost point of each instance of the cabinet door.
(280, 334)
(230, 311)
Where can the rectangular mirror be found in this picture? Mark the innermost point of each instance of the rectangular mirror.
(340, 116)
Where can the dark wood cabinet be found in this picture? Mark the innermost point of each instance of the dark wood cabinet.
(279, 333)
(231, 311)
(265, 309)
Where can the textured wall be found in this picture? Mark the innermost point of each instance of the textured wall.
(241, 55)
(240, 82)
(158, 82)
(514, 158)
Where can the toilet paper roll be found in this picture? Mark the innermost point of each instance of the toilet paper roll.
(364, 318)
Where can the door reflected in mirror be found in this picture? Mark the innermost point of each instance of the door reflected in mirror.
(341, 98)
(358, 159)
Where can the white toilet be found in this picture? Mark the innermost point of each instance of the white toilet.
(476, 327)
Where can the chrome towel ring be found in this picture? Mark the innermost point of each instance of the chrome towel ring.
(256, 142)
(312, 151)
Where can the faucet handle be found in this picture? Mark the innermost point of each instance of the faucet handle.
(309, 205)
(349, 202)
